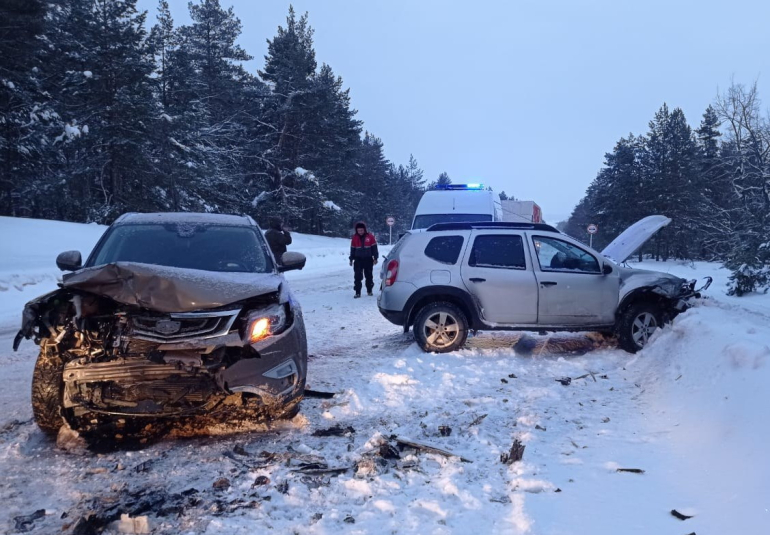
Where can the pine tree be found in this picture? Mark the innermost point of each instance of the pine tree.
(670, 181)
(214, 96)
(27, 121)
(716, 202)
(747, 159)
(100, 69)
(289, 71)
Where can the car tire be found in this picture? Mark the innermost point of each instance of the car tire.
(47, 391)
(440, 328)
(637, 323)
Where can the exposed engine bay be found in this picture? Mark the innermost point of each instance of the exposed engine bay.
(127, 360)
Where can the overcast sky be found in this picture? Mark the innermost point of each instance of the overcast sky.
(523, 95)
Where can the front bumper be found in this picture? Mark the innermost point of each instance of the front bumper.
(278, 370)
(176, 381)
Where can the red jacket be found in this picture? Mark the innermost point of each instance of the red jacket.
(363, 246)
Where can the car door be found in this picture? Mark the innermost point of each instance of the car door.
(573, 289)
(497, 270)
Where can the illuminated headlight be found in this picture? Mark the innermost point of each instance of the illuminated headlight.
(266, 322)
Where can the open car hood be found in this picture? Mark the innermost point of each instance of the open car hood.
(634, 237)
(167, 289)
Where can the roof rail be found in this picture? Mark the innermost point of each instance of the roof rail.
(492, 225)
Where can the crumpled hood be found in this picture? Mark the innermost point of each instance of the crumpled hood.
(634, 237)
(661, 283)
(168, 289)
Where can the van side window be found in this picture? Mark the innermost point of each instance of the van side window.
(498, 251)
(445, 249)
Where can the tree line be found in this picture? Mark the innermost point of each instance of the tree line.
(100, 115)
(712, 181)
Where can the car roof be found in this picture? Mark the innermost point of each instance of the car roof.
(184, 217)
(492, 225)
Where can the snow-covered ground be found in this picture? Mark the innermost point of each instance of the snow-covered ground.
(690, 411)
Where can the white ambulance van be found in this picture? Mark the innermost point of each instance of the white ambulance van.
(457, 203)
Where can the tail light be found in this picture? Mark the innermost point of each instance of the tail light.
(391, 272)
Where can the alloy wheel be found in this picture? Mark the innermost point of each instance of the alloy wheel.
(441, 329)
(642, 328)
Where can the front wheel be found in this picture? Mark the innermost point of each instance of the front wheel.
(440, 328)
(637, 324)
(47, 391)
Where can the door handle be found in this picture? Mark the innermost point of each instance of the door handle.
(547, 283)
(476, 279)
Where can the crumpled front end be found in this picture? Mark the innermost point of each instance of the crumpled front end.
(673, 293)
(130, 361)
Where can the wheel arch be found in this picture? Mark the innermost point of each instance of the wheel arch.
(646, 295)
(450, 294)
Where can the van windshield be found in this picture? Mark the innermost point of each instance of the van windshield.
(426, 220)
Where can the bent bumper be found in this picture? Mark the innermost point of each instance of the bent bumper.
(278, 369)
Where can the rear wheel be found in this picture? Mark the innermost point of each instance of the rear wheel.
(637, 325)
(47, 390)
(440, 328)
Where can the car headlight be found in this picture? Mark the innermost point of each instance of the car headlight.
(266, 322)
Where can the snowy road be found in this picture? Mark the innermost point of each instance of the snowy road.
(662, 412)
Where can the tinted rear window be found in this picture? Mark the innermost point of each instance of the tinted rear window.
(498, 251)
(445, 249)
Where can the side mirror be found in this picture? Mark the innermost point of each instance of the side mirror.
(607, 269)
(291, 261)
(69, 261)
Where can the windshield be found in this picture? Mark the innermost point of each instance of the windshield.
(185, 245)
(426, 220)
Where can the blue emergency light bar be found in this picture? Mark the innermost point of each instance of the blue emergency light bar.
(459, 186)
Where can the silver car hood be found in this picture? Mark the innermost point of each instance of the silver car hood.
(168, 289)
(634, 237)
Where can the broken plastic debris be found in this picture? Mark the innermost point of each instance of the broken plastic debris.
(70, 440)
(24, 523)
(137, 525)
(221, 484)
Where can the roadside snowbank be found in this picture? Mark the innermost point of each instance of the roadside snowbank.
(707, 393)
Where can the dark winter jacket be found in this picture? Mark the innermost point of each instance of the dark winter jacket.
(277, 239)
(363, 246)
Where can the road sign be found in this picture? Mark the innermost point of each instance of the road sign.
(390, 221)
(592, 229)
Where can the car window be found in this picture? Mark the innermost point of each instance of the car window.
(192, 246)
(557, 255)
(445, 249)
(498, 251)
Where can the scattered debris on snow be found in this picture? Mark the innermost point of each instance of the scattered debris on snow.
(515, 454)
(139, 525)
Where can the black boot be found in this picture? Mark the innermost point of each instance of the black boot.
(369, 293)
(358, 294)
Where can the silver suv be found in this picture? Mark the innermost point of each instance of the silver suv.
(458, 277)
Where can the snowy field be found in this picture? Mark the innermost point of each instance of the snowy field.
(688, 415)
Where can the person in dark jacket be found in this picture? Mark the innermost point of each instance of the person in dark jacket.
(277, 238)
(363, 256)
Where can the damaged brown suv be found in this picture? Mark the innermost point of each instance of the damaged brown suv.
(171, 315)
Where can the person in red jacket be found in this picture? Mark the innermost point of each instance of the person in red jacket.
(363, 257)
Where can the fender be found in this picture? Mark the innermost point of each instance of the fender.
(451, 294)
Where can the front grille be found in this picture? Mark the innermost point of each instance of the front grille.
(183, 326)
